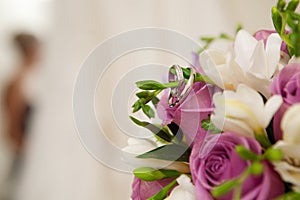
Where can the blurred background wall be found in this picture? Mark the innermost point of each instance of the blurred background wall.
(55, 165)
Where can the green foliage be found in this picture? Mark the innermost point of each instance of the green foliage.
(161, 133)
(206, 124)
(256, 168)
(224, 188)
(164, 192)
(171, 152)
(246, 154)
(151, 174)
(285, 17)
(273, 154)
(290, 196)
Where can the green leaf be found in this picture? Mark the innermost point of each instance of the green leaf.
(158, 132)
(273, 154)
(224, 188)
(292, 5)
(150, 85)
(295, 39)
(290, 196)
(154, 85)
(225, 36)
(290, 21)
(256, 168)
(294, 16)
(238, 27)
(169, 173)
(148, 174)
(148, 111)
(281, 4)
(206, 124)
(151, 174)
(172, 152)
(164, 192)
(207, 39)
(176, 130)
(144, 94)
(138, 122)
(155, 101)
(136, 106)
(203, 78)
(246, 154)
(263, 140)
(277, 19)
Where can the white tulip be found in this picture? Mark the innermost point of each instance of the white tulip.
(243, 111)
(250, 63)
(185, 190)
(289, 166)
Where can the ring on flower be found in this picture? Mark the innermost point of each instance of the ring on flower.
(177, 93)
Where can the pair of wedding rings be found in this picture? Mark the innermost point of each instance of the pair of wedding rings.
(178, 93)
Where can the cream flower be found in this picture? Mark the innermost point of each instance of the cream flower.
(221, 68)
(243, 111)
(289, 166)
(250, 63)
(185, 190)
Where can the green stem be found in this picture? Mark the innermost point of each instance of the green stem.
(171, 84)
(238, 190)
(263, 140)
(283, 34)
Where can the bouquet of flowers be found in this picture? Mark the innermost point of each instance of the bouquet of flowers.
(230, 122)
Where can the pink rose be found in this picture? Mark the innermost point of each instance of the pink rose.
(286, 84)
(188, 113)
(142, 190)
(216, 161)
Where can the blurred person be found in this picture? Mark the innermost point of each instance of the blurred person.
(17, 103)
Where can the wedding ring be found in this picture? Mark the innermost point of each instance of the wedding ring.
(179, 92)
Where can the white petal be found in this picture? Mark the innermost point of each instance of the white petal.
(209, 61)
(259, 63)
(238, 127)
(254, 101)
(290, 125)
(239, 111)
(139, 146)
(288, 173)
(289, 150)
(271, 107)
(259, 84)
(273, 53)
(243, 47)
(185, 189)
